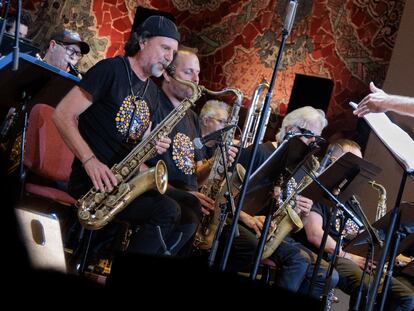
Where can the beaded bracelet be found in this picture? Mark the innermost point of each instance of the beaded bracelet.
(87, 160)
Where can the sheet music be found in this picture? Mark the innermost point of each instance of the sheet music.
(396, 139)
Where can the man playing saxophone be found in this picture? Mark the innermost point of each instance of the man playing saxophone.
(349, 266)
(296, 261)
(105, 117)
(183, 161)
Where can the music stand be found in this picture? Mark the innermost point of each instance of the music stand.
(402, 150)
(34, 82)
(25, 46)
(42, 82)
(287, 157)
(346, 174)
(359, 245)
(343, 176)
(286, 160)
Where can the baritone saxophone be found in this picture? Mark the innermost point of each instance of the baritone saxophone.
(215, 181)
(96, 209)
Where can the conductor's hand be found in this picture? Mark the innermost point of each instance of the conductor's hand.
(376, 101)
(303, 205)
(102, 177)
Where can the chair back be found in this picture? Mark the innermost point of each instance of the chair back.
(46, 154)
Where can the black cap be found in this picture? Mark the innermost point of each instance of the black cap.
(157, 25)
(71, 37)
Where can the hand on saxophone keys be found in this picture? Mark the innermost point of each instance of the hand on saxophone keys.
(253, 222)
(163, 144)
(303, 205)
(102, 177)
(231, 154)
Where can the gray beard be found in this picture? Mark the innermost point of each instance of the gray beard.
(155, 71)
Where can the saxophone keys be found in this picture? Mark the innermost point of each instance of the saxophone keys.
(111, 200)
(133, 163)
(99, 197)
(123, 188)
(118, 178)
(84, 215)
(125, 171)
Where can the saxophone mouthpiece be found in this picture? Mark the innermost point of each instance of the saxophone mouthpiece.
(170, 69)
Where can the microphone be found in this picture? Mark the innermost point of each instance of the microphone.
(326, 160)
(74, 70)
(290, 16)
(199, 142)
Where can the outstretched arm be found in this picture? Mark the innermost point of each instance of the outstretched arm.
(379, 101)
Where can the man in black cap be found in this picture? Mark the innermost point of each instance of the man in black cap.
(106, 116)
(65, 50)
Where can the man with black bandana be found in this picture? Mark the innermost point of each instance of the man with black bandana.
(105, 117)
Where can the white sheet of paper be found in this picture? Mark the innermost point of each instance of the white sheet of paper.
(396, 139)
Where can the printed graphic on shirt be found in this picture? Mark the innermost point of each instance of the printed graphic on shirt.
(351, 229)
(183, 153)
(133, 117)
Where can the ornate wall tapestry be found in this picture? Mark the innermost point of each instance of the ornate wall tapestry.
(350, 42)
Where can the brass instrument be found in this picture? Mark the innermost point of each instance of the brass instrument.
(96, 209)
(253, 115)
(285, 219)
(382, 199)
(213, 187)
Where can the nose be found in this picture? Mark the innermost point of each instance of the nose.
(169, 56)
(195, 78)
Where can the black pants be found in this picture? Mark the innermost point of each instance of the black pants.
(400, 296)
(157, 217)
(181, 239)
(296, 263)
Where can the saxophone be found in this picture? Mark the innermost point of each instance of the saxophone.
(382, 199)
(285, 219)
(214, 183)
(96, 209)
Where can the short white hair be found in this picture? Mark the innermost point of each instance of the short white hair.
(301, 117)
(211, 106)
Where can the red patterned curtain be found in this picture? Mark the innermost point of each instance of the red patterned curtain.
(349, 42)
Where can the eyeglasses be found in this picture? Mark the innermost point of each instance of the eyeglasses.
(306, 132)
(221, 121)
(71, 51)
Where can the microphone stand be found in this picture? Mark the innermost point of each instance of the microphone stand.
(287, 27)
(373, 238)
(16, 37)
(349, 214)
(3, 26)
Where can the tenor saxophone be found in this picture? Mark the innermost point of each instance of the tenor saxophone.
(96, 209)
(214, 183)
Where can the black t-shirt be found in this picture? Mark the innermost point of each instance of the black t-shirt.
(350, 229)
(105, 125)
(263, 152)
(181, 157)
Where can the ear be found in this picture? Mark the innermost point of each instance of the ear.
(142, 43)
(52, 44)
(204, 121)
